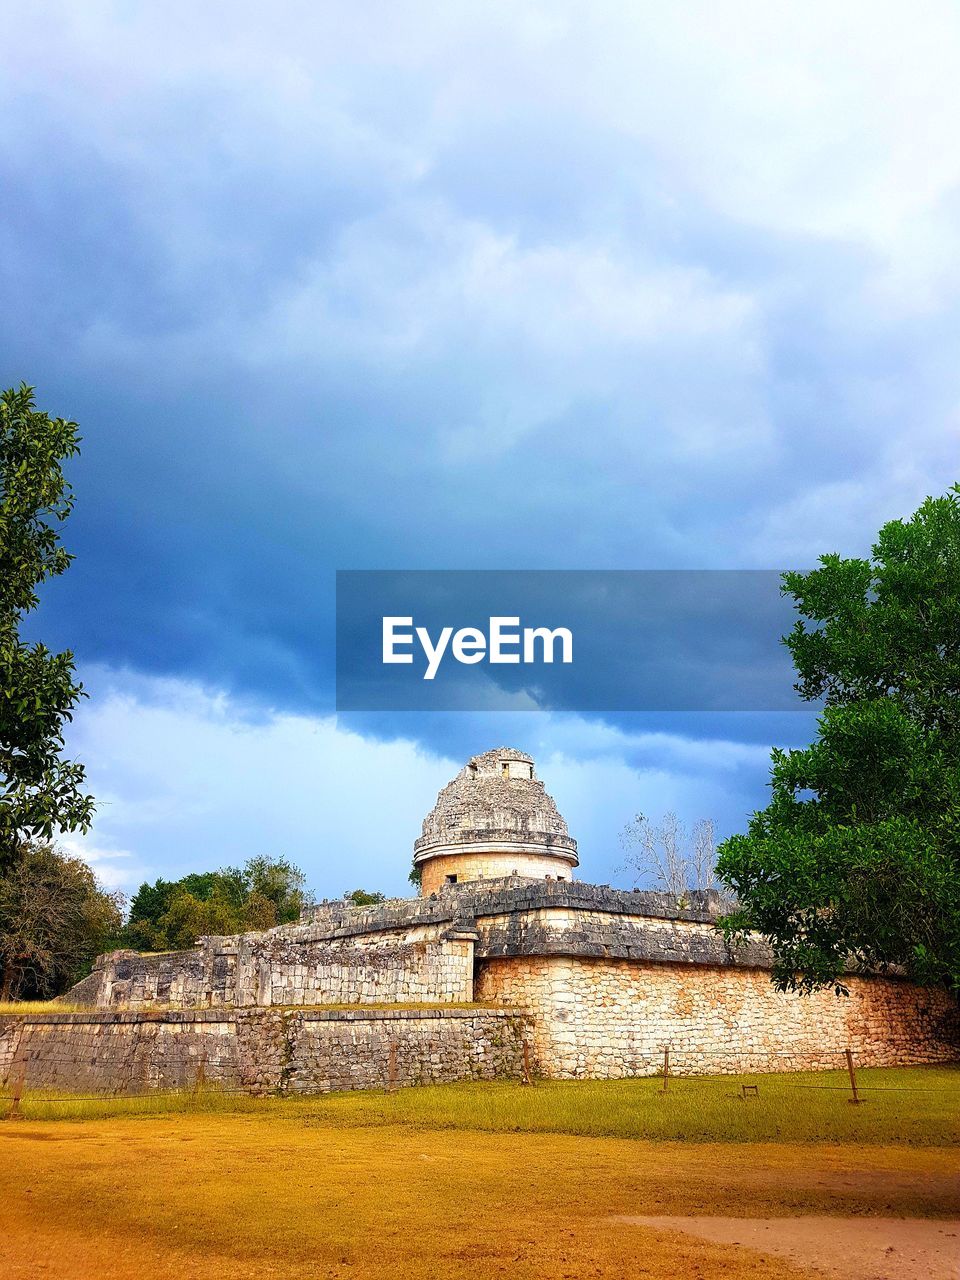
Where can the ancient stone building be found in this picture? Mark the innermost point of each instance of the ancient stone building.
(503, 965)
(494, 819)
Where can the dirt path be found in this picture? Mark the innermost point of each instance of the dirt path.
(254, 1197)
(849, 1248)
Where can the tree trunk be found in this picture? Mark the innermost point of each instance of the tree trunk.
(8, 975)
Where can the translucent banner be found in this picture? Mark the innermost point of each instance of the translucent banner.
(573, 640)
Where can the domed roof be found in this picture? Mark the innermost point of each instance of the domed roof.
(495, 801)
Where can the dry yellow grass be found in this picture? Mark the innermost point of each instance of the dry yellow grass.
(260, 1195)
(26, 1008)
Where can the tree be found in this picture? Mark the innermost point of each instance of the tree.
(54, 919)
(188, 918)
(675, 859)
(855, 862)
(39, 792)
(172, 914)
(276, 882)
(364, 898)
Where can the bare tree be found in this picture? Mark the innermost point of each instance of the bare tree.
(703, 855)
(665, 852)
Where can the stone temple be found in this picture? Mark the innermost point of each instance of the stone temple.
(493, 820)
(504, 966)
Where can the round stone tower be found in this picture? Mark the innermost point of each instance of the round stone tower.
(494, 819)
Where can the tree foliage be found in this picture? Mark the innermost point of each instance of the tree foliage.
(39, 792)
(54, 919)
(856, 859)
(170, 915)
(364, 898)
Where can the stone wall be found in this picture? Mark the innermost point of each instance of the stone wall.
(296, 965)
(601, 1018)
(405, 951)
(479, 866)
(608, 976)
(261, 1051)
(547, 929)
(504, 895)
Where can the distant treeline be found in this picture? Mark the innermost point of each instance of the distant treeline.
(169, 915)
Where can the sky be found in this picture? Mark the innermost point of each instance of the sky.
(397, 286)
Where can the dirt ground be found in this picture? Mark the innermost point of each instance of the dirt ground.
(847, 1248)
(200, 1197)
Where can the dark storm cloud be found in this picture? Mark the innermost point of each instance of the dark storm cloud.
(519, 287)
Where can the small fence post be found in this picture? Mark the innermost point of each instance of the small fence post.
(666, 1068)
(856, 1099)
(16, 1096)
(200, 1079)
(527, 1073)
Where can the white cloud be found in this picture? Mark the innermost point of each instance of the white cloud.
(189, 779)
(114, 868)
(812, 117)
(546, 326)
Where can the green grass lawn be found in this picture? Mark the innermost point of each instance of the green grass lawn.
(917, 1106)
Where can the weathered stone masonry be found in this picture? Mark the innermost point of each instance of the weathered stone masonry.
(285, 1051)
(494, 819)
(602, 1019)
(596, 982)
(307, 964)
(608, 978)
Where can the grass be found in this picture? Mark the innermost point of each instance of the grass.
(264, 1195)
(462, 1182)
(697, 1109)
(904, 1107)
(26, 1007)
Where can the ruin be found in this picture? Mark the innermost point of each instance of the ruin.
(503, 965)
(494, 819)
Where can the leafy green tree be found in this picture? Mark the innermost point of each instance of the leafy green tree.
(856, 860)
(188, 918)
(276, 881)
(172, 914)
(40, 793)
(54, 919)
(149, 903)
(364, 898)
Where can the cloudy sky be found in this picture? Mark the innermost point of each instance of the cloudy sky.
(456, 286)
